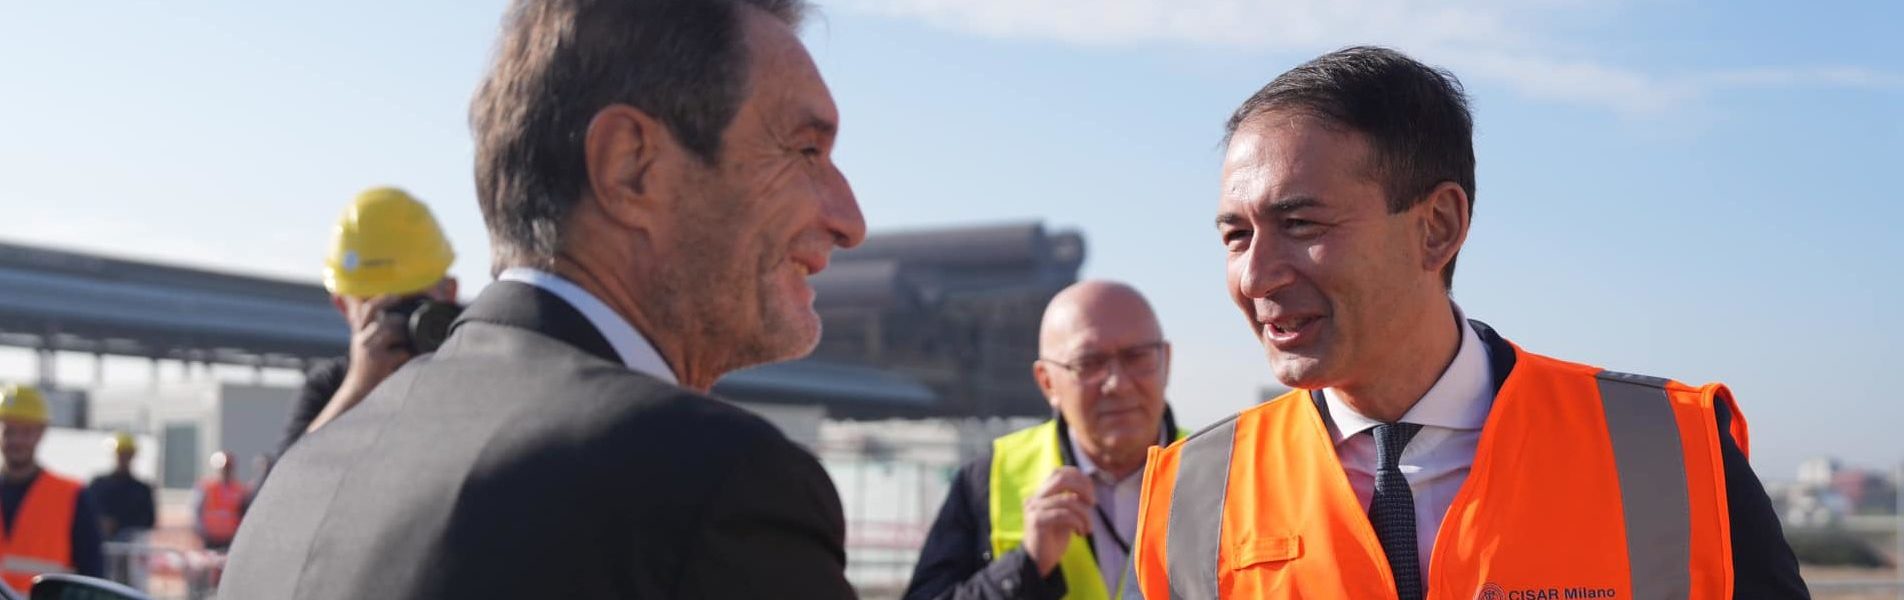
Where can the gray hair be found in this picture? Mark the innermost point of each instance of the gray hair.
(559, 62)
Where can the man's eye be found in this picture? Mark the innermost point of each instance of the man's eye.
(1300, 226)
(1093, 363)
(1237, 236)
(810, 152)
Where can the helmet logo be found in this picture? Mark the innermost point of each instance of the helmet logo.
(350, 260)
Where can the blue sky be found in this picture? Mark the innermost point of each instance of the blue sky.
(1699, 190)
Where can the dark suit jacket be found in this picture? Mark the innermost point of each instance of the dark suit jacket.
(524, 460)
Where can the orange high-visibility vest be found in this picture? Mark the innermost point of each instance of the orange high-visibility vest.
(1586, 484)
(41, 540)
(218, 514)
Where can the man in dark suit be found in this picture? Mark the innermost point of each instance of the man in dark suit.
(657, 183)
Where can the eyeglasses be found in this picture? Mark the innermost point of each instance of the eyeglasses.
(1135, 361)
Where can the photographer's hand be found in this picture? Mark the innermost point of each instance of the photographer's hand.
(378, 346)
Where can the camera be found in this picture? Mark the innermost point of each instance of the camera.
(427, 322)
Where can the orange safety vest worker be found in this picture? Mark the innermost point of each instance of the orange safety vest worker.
(219, 514)
(41, 539)
(1586, 484)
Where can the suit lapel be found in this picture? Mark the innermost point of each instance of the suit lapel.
(524, 306)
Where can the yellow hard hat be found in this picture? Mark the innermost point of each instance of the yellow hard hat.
(124, 442)
(23, 404)
(386, 243)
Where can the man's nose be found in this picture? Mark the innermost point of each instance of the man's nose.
(839, 211)
(1264, 270)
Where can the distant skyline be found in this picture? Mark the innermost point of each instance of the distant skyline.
(1693, 189)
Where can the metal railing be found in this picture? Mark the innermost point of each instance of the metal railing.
(164, 572)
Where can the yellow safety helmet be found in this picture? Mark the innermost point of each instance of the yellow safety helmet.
(24, 404)
(386, 243)
(124, 443)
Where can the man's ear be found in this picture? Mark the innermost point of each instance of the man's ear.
(1444, 219)
(1042, 374)
(622, 150)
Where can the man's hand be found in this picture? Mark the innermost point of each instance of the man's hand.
(377, 342)
(1061, 507)
(378, 347)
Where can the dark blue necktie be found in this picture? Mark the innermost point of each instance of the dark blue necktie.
(1392, 510)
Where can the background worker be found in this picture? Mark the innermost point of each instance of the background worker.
(387, 252)
(1419, 454)
(219, 503)
(126, 506)
(50, 524)
(1050, 511)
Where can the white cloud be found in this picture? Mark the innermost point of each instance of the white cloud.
(1287, 24)
(1581, 82)
(1494, 40)
(1852, 77)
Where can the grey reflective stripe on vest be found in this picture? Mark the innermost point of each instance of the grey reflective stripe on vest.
(1652, 468)
(1196, 512)
(33, 566)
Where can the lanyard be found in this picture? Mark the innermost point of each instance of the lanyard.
(1123, 575)
(1112, 529)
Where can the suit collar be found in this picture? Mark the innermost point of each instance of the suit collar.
(636, 352)
(524, 306)
(1500, 354)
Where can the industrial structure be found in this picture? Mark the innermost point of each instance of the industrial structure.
(937, 323)
(926, 354)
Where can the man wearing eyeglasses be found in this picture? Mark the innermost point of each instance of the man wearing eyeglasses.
(1051, 510)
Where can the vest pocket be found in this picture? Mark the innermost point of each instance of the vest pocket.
(1267, 551)
(1261, 566)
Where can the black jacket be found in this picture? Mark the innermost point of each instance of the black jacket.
(957, 561)
(124, 500)
(523, 460)
(321, 382)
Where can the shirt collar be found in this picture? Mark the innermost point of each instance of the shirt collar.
(1459, 400)
(629, 344)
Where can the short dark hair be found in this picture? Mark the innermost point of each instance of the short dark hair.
(1415, 117)
(559, 62)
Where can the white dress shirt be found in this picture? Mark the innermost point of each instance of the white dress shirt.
(1118, 498)
(635, 351)
(1436, 461)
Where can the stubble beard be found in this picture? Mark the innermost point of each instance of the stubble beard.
(704, 293)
